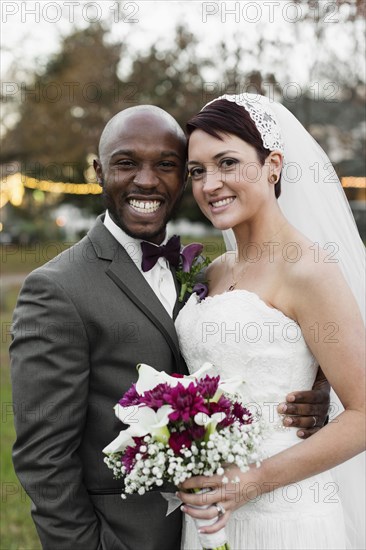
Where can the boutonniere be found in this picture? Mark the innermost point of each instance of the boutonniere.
(192, 264)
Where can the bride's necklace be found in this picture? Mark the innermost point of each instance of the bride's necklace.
(240, 275)
(242, 272)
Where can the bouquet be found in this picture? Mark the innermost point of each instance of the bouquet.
(179, 427)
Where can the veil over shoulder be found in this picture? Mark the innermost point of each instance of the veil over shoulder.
(313, 201)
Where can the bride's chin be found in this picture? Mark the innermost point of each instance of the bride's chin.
(222, 226)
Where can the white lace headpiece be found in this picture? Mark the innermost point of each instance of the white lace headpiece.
(263, 117)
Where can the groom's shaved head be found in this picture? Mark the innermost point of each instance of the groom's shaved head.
(153, 115)
(142, 169)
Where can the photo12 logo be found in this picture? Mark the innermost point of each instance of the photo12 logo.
(257, 11)
(72, 11)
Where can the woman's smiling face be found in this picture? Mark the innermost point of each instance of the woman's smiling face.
(229, 182)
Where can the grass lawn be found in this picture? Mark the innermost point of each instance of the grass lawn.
(17, 531)
(21, 259)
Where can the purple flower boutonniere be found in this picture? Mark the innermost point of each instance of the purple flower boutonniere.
(191, 267)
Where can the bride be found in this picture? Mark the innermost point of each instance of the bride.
(278, 306)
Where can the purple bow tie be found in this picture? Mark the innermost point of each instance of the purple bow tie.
(151, 253)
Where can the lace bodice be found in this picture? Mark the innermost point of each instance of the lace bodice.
(244, 337)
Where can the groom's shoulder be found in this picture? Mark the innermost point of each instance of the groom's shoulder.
(73, 258)
(72, 265)
(80, 256)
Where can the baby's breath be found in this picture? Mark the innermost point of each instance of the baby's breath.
(223, 447)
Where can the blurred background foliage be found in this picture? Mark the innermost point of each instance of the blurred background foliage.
(52, 124)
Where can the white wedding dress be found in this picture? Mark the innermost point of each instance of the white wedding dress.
(242, 336)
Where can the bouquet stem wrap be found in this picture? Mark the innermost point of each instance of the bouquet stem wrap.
(210, 541)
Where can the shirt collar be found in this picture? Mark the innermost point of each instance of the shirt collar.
(130, 244)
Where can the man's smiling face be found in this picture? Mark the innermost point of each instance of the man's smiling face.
(142, 168)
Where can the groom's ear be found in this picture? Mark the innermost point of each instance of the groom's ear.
(98, 171)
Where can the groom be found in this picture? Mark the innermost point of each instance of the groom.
(82, 323)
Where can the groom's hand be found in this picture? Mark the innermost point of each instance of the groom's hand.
(307, 410)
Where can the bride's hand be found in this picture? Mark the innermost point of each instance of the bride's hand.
(238, 489)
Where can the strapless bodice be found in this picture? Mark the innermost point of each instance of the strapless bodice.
(244, 337)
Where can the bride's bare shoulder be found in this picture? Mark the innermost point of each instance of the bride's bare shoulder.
(311, 278)
(307, 263)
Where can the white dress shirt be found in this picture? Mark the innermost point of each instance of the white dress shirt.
(160, 278)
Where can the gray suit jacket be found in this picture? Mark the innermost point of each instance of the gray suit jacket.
(82, 323)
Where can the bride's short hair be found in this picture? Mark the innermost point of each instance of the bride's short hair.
(223, 116)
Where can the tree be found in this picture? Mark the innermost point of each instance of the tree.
(67, 102)
(63, 108)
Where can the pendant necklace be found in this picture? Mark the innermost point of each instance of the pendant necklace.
(242, 273)
(234, 283)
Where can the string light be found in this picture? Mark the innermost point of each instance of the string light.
(60, 187)
(12, 187)
(356, 183)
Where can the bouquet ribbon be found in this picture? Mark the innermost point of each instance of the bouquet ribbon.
(208, 540)
(173, 502)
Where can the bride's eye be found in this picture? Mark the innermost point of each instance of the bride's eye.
(228, 163)
(196, 172)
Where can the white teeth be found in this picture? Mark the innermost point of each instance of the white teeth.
(223, 202)
(146, 207)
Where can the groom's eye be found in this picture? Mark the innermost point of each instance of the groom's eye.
(126, 163)
(167, 165)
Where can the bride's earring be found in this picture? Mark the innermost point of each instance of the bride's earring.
(273, 178)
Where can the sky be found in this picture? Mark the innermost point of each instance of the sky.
(31, 30)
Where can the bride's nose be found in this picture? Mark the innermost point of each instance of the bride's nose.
(213, 180)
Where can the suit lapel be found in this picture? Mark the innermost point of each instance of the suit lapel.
(129, 279)
(178, 305)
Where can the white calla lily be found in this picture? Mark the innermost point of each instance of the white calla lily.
(200, 373)
(209, 422)
(202, 419)
(149, 377)
(142, 420)
(150, 419)
(127, 415)
(120, 443)
(232, 385)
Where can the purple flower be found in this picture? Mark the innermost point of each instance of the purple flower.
(131, 397)
(201, 290)
(208, 385)
(223, 405)
(197, 432)
(189, 253)
(239, 412)
(129, 456)
(185, 402)
(191, 266)
(178, 440)
(155, 398)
